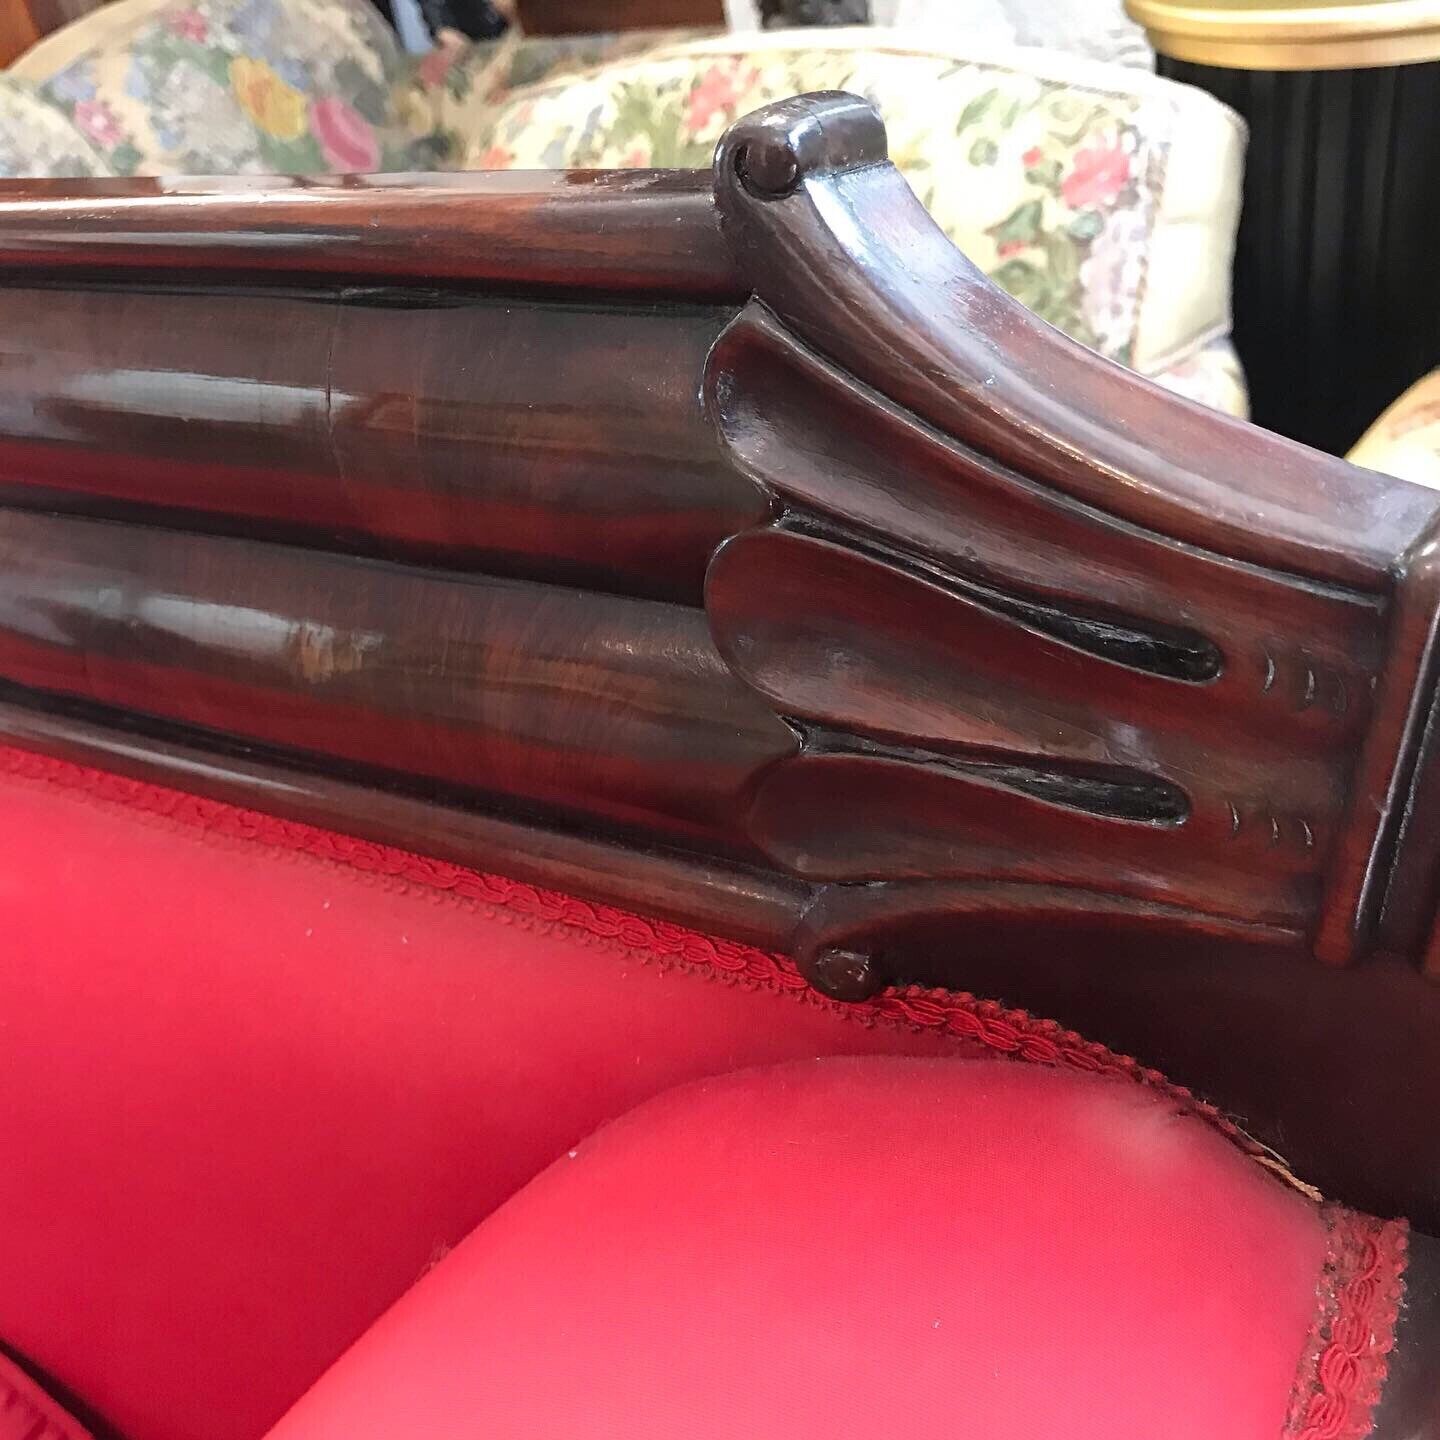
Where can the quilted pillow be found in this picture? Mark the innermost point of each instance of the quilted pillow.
(38, 139)
(1103, 198)
(227, 87)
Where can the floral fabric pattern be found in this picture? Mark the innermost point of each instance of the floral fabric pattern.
(446, 97)
(1049, 186)
(237, 87)
(37, 139)
(1054, 177)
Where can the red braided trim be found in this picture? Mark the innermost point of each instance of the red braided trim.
(953, 1013)
(1347, 1354)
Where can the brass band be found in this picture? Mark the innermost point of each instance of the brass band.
(1302, 35)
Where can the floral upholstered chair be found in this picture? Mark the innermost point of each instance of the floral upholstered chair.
(225, 87)
(1102, 197)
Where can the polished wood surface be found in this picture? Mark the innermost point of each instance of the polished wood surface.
(750, 903)
(382, 420)
(18, 31)
(479, 683)
(931, 335)
(634, 231)
(1026, 628)
(729, 549)
(588, 17)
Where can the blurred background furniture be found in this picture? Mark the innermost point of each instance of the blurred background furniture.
(1097, 29)
(23, 22)
(1337, 294)
(419, 21)
(783, 14)
(1405, 440)
(1103, 197)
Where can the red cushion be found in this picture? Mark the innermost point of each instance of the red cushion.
(257, 1077)
(881, 1248)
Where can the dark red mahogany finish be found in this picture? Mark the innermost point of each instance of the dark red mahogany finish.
(736, 553)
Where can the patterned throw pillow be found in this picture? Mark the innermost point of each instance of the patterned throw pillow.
(36, 139)
(447, 95)
(228, 87)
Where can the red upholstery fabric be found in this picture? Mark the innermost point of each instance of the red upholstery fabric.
(250, 1093)
(864, 1248)
(257, 1077)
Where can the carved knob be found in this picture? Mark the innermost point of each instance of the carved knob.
(848, 975)
(773, 150)
(767, 170)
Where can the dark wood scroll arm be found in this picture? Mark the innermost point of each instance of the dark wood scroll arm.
(730, 550)
(838, 247)
(1064, 649)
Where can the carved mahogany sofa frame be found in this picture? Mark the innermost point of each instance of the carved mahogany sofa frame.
(730, 550)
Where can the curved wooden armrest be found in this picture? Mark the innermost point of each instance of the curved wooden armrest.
(730, 549)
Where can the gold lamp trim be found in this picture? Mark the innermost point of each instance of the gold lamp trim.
(1352, 34)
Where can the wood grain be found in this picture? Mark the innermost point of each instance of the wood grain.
(1006, 752)
(648, 231)
(563, 441)
(934, 336)
(606, 707)
(749, 903)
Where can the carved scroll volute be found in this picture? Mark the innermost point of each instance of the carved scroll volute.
(1062, 648)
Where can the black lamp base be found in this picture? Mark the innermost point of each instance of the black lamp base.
(1337, 275)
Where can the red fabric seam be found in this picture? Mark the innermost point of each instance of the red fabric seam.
(1347, 1354)
(954, 1013)
(28, 1413)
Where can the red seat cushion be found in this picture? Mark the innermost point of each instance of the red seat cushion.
(258, 1076)
(884, 1248)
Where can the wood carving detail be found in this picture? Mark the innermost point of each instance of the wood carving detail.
(1047, 733)
(1005, 673)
